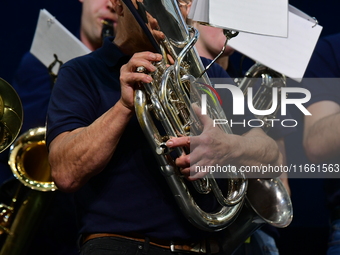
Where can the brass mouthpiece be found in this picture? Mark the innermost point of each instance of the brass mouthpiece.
(107, 29)
(107, 22)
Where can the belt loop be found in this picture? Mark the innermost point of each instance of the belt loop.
(146, 245)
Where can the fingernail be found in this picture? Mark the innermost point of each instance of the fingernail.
(169, 143)
(153, 68)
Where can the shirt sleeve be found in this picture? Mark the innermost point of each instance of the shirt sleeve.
(70, 106)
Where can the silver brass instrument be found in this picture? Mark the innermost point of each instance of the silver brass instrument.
(267, 200)
(262, 100)
(168, 99)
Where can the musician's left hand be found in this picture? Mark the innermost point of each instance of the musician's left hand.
(214, 147)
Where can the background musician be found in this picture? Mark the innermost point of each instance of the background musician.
(209, 45)
(321, 129)
(57, 233)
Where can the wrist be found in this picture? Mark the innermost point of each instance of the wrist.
(237, 149)
(124, 108)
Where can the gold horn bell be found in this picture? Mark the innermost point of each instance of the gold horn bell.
(11, 115)
(28, 154)
(28, 160)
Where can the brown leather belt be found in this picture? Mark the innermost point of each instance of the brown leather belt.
(198, 247)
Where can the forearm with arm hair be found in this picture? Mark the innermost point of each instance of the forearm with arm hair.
(257, 149)
(78, 155)
(214, 147)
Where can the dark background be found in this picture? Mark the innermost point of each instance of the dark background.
(18, 20)
(309, 230)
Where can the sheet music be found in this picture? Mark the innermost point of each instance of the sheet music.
(51, 37)
(199, 11)
(290, 55)
(266, 17)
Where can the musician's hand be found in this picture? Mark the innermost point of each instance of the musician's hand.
(209, 148)
(213, 148)
(130, 79)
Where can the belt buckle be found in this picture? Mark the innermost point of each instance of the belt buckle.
(195, 247)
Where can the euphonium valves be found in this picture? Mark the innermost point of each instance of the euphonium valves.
(169, 99)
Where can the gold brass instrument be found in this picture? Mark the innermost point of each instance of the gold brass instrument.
(28, 160)
(20, 216)
(168, 99)
(11, 115)
(33, 187)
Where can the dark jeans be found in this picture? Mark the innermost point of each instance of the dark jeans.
(118, 246)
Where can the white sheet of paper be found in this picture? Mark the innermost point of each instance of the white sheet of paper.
(290, 55)
(264, 17)
(199, 11)
(51, 37)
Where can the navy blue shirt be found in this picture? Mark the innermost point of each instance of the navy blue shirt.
(325, 64)
(130, 194)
